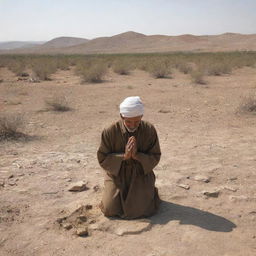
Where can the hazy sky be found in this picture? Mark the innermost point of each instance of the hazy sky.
(42, 20)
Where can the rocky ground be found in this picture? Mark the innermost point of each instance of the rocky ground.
(206, 176)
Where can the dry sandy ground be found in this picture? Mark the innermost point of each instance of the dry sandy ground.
(200, 134)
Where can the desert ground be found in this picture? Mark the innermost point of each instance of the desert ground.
(206, 176)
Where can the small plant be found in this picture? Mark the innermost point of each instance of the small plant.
(159, 69)
(184, 67)
(10, 126)
(43, 68)
(197, 77)
(57, 103)
(218, 69)
(94, 73)
(122, 67)
(248, 104)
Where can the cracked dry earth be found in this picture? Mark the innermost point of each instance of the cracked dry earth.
(206, 176)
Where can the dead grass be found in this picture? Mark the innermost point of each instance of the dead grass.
(57, 103)
(122, 67)
(93, 73)
(159, 69)
(43, 68)
(11, 126)
(248, 104)
(197, 77)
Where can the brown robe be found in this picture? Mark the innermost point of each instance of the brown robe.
(129, 184)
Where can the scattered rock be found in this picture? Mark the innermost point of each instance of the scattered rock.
(12, 183)
(230, 188)
(238, 198)
(67, 226)
(185, 186)
(11, 176)
(82, 231)
(96, 188)
(132, 227)
(2, 182)
(233, 178)
(78, 187)
(211, 193)
(164, 111)
(202, 178)
(79, 220)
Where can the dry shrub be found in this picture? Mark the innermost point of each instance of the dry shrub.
(10, 126)
(218, 69)
(94, 73)
(57, 103)
(159, 69)
(248, 104)
(17, 67)
(184, 67)
(43, 68)
(122, 67)
(197, 77)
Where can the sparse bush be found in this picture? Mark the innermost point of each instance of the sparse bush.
(57, 103)
(184, 67)
(43, 68)
(10, 126)
(122, 67)
(159, 69)
(197, 77)
(17, 67)
(94, 73)
(218, 69)
(248, 104)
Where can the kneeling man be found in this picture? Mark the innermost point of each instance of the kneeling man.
(128, 152)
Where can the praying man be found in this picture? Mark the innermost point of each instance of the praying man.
(128, 152)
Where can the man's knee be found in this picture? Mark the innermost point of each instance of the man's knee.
(111, 207)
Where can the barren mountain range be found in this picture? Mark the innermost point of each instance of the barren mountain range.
(132, 42)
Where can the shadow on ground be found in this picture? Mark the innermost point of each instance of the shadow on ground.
(191, 216)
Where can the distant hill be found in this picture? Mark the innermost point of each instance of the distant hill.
(18, 44)
(132, 42)
(63, 42)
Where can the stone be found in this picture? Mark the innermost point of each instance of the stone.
(131, 227)
(82, 231)
(96, 188)
(230, 188)
(211, 193)
(12, 183)
(238, 198)
(67, 226)
(78, 187)
(185, 186)
(202, 178)
(2, 183)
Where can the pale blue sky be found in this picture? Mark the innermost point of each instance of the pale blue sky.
(27, 20)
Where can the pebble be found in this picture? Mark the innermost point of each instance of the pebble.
(238, 198)
(211, 193)
(230, 188)
(78, 187)
(82, 231)
(185, 186)
(202, 178)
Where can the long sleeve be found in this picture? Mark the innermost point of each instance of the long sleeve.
(108, 160)
(151, 157)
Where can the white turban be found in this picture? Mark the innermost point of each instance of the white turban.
(131, 107)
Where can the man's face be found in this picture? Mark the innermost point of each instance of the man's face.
(131, 123)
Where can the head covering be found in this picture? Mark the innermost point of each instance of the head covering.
(131, 107)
